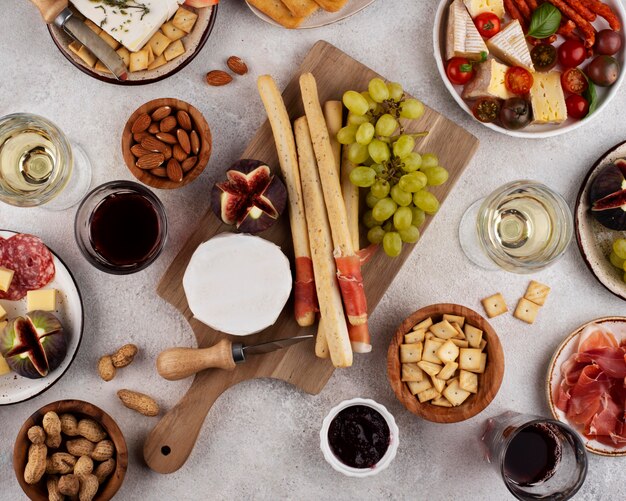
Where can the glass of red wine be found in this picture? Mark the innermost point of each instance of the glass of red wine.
(538, 458)
(121, 227)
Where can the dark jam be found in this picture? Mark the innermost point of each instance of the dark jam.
(533, 455)
(124, 229)
(359, 436)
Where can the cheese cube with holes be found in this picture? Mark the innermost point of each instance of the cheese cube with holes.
(476, 7)
(42, 299)
(6, 277)
(547, 98)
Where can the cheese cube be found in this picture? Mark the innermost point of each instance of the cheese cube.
(42, 299)
(3, 315)
(416, 387)
(510, 46)
(489, 81)
(462, 37)
(547, 98)
(476, 7)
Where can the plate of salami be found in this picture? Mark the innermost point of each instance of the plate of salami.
(40, 332)
(586, 384)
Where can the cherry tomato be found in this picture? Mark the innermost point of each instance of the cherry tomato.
(574, 81)
(572, 53)
(488, 24)
(518, 80)
(459, 70)
(577, 106)
(486, 109)
(515, 113)
(603, 70)
(608, 42)
(543, 56)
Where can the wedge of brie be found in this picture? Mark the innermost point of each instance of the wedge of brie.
(547, 98)
(462, 37)
(510, 46)
(488, 81)
(476, 7)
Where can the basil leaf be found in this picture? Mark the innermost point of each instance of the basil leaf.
(545, 21)
(592, 98)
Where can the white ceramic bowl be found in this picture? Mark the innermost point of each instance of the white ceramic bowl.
(394, 438)
(537, 131)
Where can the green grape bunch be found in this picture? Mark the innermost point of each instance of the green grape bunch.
(398, 177)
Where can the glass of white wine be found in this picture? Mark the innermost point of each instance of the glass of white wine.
(39, 165)
(521, 227)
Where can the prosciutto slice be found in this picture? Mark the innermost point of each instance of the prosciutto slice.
(586, 395)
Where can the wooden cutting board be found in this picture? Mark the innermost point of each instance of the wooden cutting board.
(171, 441)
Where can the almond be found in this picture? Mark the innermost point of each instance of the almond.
(217, 78)
(189, 164)
(161, 113)
(174, 171)
(141, 123)
(184, 120)
(154, 128)
(183, 140)
(153, 144)
(140, 136)
(150, 161)
(178, 153)
(168, 124)
(159, 172)
(195, 142)
(166, 137)
(237, 65)
(138, 150)
(168, 152)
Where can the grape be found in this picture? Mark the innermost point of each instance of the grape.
(371, 200)
(412, 182)
(357, 153)
(419, 216)
(379, 169)
(384, 209)
(375, 235)
(403, 146)
(410, 235)
(435, 175)
(380, 189)
(401, 197)
(378, 90)
(369, 221)
(412, 162)
(371, 103)
(363, 177)
(392, 243)
(429, 160)
(364, 134)
(355, 102)
(617, 261)
(412, 108)
(386, 125)
(426, 201)
(378, 150)
(395, 91)
(388, 226)
(357, 119)
(619, 247)
(402, 218)
(347, 134)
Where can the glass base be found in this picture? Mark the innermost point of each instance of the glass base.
(78, 185)
(468, 237)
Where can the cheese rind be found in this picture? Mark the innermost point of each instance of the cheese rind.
(547, 98)
(42, 299)
(6, 277)
(488, 81)
(462, 37)
(476, 7)
(510, 46)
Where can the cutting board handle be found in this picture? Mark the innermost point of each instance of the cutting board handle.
(50, 9)
(171, 441)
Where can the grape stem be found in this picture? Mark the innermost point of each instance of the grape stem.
(393, 139)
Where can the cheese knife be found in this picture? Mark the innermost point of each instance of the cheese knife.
(179, 363)
(57, 12)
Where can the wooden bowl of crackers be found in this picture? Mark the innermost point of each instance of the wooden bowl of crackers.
(166, 143)
(445, 363)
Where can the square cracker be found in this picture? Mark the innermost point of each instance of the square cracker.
(278, 12)
(495, 305)
(184, 19)
(301, 8)
(526, 311)
(410, 353)
(537, 293)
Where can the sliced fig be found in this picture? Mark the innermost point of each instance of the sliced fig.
(607, 196)
(251, 198)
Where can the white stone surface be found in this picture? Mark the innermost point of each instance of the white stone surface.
(260, 440)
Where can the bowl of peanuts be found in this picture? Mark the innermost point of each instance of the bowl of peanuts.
(70, 448)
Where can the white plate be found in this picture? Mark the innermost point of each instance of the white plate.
(15, 388)
(321, 17)
(537, 131)
(566, 349)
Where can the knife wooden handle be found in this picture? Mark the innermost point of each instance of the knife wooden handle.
(179, 363)
(50, 9)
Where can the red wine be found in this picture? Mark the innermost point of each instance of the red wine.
(125, 229)
(533, 455)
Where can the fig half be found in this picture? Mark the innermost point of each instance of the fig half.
(33, 345)
(251, 198)
(607, 196)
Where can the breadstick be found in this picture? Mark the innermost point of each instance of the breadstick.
(304, 288)
(348, 262)
(329, 296)
(333, 116)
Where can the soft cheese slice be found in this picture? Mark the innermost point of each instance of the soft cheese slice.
(462, 37)
(488, 81)
(131, 27)
(547, 98)
(476, 7)
(510, 46)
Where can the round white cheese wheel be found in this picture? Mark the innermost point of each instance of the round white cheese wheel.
(237, 284)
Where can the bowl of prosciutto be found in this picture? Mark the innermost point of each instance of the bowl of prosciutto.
(586, 386)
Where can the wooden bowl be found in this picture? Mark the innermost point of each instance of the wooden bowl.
(488, 383)
(199, 124)
(80, 409)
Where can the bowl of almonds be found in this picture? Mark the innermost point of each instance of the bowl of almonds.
(166, 143)
(70, 449)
